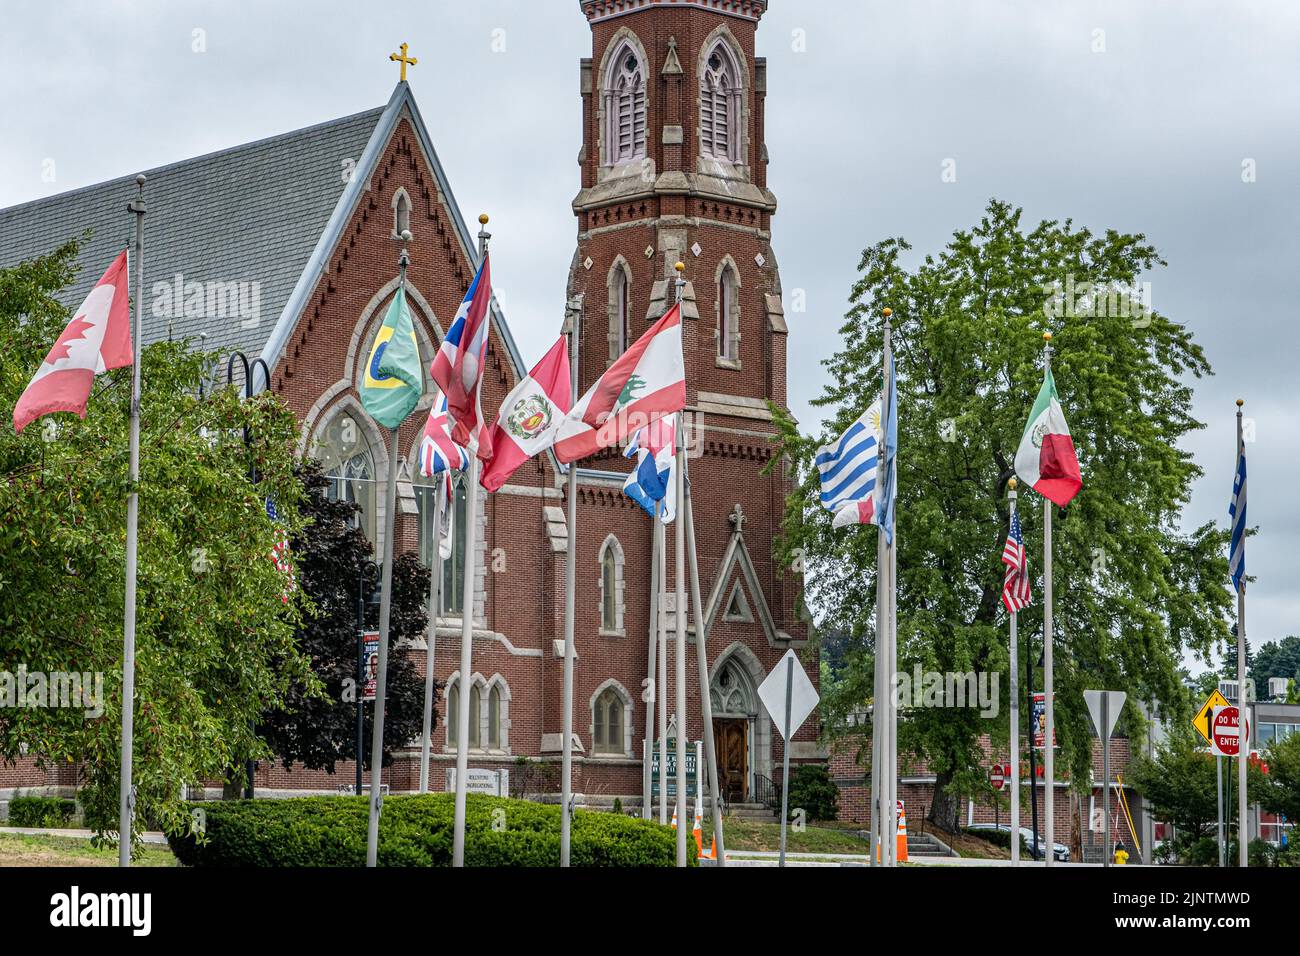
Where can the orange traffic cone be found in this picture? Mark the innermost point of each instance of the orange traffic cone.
(698, 830)
(900, 852)
(674, 823)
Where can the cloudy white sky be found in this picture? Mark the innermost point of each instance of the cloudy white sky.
(1137, 115)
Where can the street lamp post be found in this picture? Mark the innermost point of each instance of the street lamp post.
(367, 573)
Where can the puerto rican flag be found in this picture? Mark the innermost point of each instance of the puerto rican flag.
(458, 366)
(438, 452)
(645, 383)
(97, 339)
(530, 417)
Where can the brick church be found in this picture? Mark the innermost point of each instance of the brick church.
(673, 168)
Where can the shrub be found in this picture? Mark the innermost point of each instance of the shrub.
(50, 812)
(417, 831)
(813, 791)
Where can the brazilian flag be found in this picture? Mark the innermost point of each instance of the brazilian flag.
(394, 377)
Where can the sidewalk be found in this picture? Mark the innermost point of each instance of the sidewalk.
(149, 837)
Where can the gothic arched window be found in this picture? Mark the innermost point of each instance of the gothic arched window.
(728, 332)
(349, 465)
(611, 587)
(608, 722)
(625, 107)
(620, 309)
(720, 105)
(401, 213)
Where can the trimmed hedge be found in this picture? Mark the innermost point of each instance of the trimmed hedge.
(49, 812)
(417, 831)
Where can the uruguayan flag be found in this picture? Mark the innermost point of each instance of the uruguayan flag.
(1237, 515)
(848, 466)
(653, 482)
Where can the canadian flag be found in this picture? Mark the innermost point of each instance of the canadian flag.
(97, 339)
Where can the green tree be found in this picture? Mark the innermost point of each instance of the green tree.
(319, 729)
(1280, 790)
(1275, 659)
(1132, 593)
(214, 642)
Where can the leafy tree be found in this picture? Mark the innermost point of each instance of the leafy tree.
(318, 729)
(813, 791)
(1132, 592)
(1229, 668)
(214, 642)
(1280, 792)
(1276, 659)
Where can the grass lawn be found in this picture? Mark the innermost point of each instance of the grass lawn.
(744, 835)
(19, 849)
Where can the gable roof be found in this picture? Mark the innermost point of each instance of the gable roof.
(252, 213)
(737, 556)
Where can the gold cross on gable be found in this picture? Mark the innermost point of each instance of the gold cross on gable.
(403, 59)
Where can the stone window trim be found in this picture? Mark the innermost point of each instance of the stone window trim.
(612, 684)
(612, 108)
(727, 314)
(611, 547)
(401, 204)
(480, 538)
(734, 101)
(619, 311)
(485, 688)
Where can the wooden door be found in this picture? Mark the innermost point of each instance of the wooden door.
(732, 740)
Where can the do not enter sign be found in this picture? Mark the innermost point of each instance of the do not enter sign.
(1227, 731)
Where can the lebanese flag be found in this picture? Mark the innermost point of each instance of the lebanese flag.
(1046, 460)
(97, 339)
(530, 417)
(645, 383)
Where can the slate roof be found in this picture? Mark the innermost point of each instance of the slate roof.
(249, 214)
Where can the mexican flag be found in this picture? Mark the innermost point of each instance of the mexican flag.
(1046, 460)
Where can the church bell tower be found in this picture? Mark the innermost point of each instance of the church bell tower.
(674, 168)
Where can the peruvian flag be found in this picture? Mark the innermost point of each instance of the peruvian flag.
(645, 383)
(530, 417)
(97, 339)
(1046, 460)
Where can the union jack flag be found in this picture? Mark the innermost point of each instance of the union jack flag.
(280, 556)
(1015, 586)
(438, 451)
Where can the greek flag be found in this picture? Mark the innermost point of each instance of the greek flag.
(848, 466)
(1237, 516)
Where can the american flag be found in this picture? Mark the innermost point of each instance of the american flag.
(280, 556)
(1015, 586)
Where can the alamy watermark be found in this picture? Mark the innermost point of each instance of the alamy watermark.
(1085, 300)
(52, 689)
(215, 299)
(951, 689)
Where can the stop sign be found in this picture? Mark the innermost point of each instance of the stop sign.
(1227, 730)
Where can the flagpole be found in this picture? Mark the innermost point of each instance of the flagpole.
(661, 680)
(435, 598)
(702, 661)
(1049, 730)
(126, 794)
(647, 748)
(891, 626)
(1243, 748)
(467, 622)
(878, 695)
(679, 577)
(570, 586)
(385, 608)
(1013, 661)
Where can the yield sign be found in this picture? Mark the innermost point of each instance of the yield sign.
(1114, 701)
(788, 675)
(1202, 719)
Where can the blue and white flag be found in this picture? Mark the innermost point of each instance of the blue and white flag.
(653, 482)
(848, 470)
(1237, 516)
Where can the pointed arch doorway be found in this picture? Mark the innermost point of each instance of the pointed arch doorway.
(741, 730)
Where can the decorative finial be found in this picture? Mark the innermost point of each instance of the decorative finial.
(1047, 336)
(1012, 484)
(680, 267)
(141, 180)
(406, 235)
(888, 312)
(404, 60)
(483, 219)
(1240, 402)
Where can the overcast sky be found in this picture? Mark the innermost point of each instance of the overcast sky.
(1137, 115)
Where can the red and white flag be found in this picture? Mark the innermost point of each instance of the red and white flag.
(530, 417)
(645, 383)
(97, 339)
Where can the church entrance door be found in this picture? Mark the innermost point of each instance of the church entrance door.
(731, 736)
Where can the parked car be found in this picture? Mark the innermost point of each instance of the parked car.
(1060, 851)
